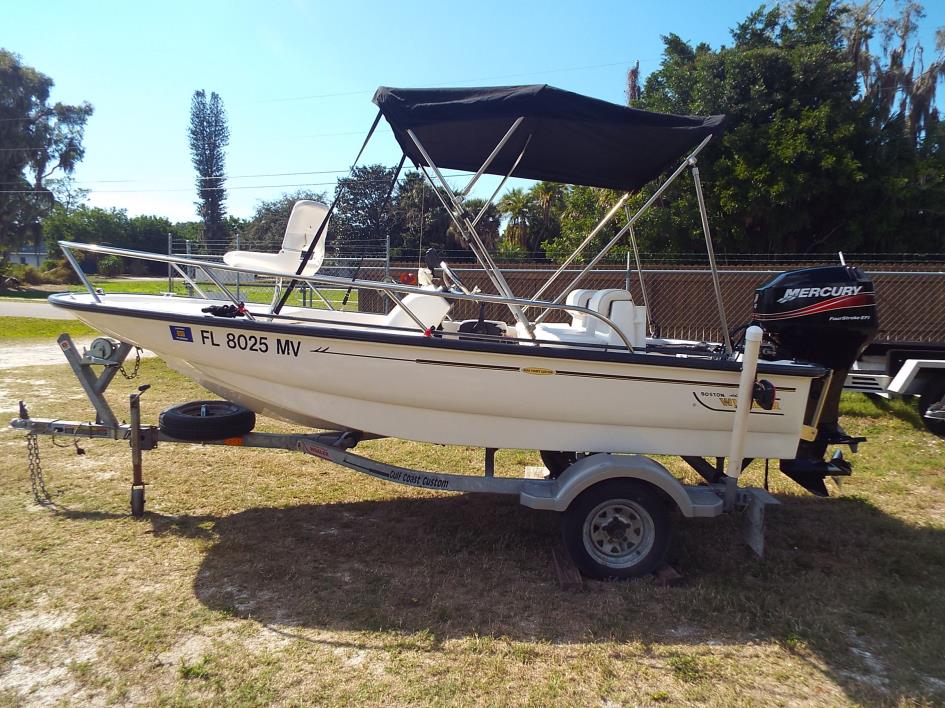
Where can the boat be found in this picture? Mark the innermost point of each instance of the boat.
(591, 381)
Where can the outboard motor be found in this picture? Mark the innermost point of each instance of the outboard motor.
(825, 316)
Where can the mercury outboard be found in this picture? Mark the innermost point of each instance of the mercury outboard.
(826, 316)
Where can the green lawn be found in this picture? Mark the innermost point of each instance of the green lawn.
(21, 328)
(265, 577)
(255, 293)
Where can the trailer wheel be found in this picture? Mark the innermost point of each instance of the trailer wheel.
(206, 420)
(557, 462)
(616, 529)
(934, 392)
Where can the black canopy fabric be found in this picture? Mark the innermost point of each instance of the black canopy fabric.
(571, 138)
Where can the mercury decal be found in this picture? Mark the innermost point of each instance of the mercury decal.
(794, 293)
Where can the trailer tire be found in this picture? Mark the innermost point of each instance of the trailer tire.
(617, 529)
(206, 420)
(933, 392)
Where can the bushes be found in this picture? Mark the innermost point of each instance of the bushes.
(110, 265)
(26, 274)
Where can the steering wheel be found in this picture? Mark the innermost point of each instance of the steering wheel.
(433, 261)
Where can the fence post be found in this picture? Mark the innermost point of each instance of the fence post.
(627, 279)
(237, 274)
(190, 269)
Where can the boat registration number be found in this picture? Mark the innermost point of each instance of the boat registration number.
(261, 343)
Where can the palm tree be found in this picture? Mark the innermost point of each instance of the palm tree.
(549, 197)
(517, 205)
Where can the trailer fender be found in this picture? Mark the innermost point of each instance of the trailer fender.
(911, 377)
(593, 469)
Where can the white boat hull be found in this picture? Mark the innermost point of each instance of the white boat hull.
(417, 389)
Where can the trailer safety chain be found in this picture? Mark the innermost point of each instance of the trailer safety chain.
(134, 371)
(37, 483)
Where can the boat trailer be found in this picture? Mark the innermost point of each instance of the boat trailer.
(615, 508)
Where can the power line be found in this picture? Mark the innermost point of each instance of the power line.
(238, 187)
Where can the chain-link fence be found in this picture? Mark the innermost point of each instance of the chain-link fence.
(680, 297)
(682, 302)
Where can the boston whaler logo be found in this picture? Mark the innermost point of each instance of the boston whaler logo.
(794, 293)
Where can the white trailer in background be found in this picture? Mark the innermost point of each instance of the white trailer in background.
(905, 369)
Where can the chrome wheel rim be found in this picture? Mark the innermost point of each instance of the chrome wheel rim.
(619, 533)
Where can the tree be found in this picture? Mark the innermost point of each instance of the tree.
(816, 156)
(40, 140)
(364, 217)
(581, 210)
(548, 198)
(265, 231)
(517, 205)
(487, 228)
(423, 221)
(209, 136)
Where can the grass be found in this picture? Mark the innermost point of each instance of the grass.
(268, 577)
(157, 286)
(25, 328)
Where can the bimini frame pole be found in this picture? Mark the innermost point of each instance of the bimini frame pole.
(577, 251)
(636, 257)
(495, 153)
(689, 161)
(464, 224)
(726, 338)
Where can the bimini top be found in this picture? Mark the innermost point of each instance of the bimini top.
(571, 138)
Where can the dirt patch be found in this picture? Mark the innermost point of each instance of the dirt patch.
(15, 355)
(34, 621)
(50, 682)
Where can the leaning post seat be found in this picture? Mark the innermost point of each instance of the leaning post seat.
(429, 309)
(304, 221)
(618, 306)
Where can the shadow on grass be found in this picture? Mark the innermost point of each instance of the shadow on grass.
(200, 527)
(855, 587)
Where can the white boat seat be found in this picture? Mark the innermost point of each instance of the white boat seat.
(618, 306)
(579, 298)
(304, 221)
(603, 301)
(429, 309)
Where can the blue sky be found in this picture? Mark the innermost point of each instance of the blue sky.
(297, 76)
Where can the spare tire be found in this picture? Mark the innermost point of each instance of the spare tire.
(206, 420)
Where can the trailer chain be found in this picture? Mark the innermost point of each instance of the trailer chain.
(37, 483)
(134, 371)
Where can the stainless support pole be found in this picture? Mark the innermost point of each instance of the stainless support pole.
(726, 338)
(498, 148)
(78, 271)
(398, 301)
(613, 242)
(590, 237)
(457, 213)
(170, 272)
(505, 179)
(190, 283)
(636, 255)
(626, 277)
